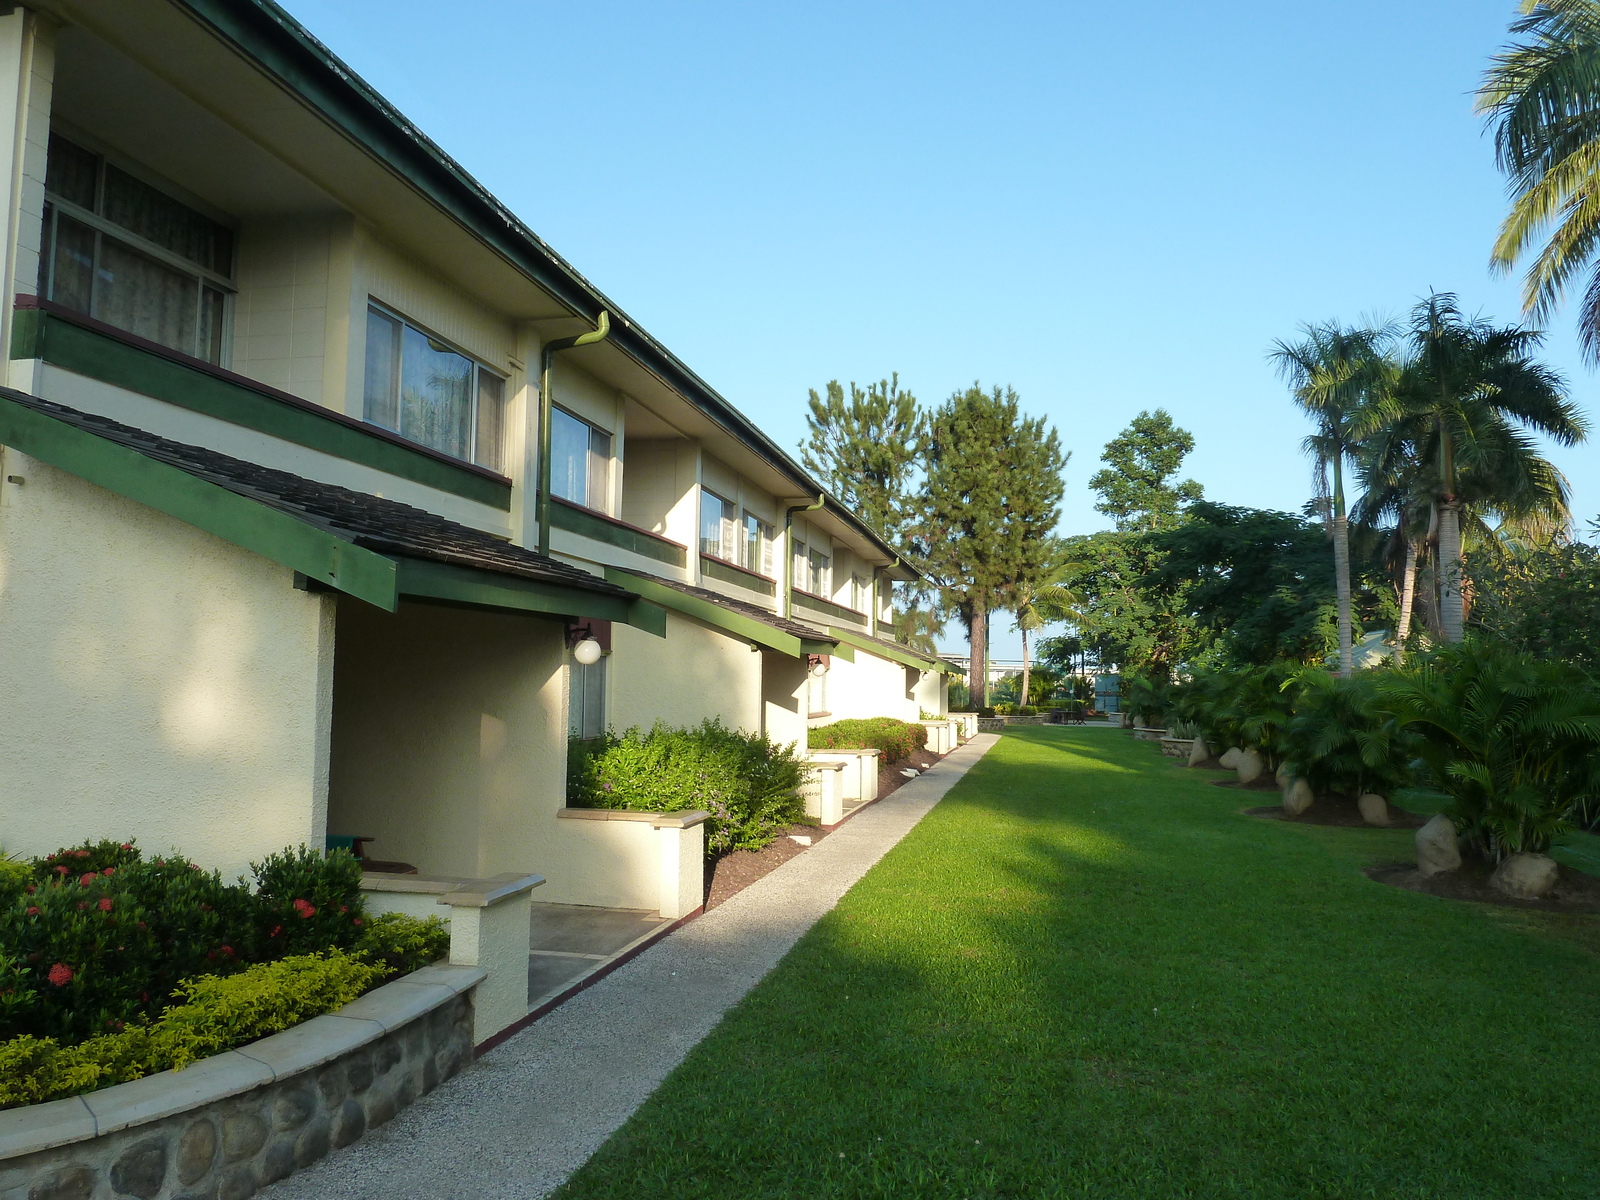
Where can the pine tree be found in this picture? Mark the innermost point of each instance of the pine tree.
(866, 450)
(991, 499)
(1134, 486)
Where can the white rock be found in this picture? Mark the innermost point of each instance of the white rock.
(1283, 775)
(1230, 757)
(1525, 876)
(1249, 766)
(1198, 752)
(1297, 797)
(910, 772)
(1374, 809)
(1436, 846)
(801, 838)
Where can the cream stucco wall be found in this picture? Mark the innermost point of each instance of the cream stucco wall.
(658, 488)
(449, 737)
(697, 673)
(156, 682)
(283, 308)
(870, 687)
(616, 864)
(783, 698)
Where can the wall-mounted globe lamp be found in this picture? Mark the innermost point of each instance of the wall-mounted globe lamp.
(586, 651)
(817, 664)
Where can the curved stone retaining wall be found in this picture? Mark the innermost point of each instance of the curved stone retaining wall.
(231, 1124)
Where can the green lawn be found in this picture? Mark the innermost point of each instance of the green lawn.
(1085, 975)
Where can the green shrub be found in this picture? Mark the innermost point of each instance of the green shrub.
(404, 944)
(215, 1013)
(749, 785)
(894, 740)
(308, 901)
(1512, 740)
(1344, 737)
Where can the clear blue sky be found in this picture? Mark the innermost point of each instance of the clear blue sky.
(1109, 207)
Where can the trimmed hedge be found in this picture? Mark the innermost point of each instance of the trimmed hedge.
(894, 739)
(749, 785)
(216, 1013)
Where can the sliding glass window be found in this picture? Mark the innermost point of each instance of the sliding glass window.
(580, 461)
(429, 392)
(123, 251)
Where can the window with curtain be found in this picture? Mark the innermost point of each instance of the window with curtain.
(860, 592)
(429, 392)
(819, 573)
(580, 461)
(123, 251)
(757, 545)
(716, 526)
(586, 699)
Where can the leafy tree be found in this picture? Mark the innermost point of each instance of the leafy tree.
(1335, 372)
(1542, 96)
(1260, 582)
(991, 500)
(866, 450)
(1037, 606)
(1543, 600)
(1135, 485)
(1130, 613)
(1470, 391)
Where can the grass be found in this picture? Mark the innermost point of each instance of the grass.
(1084, 974)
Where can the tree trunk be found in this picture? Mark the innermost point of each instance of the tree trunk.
(978, 648)
(1408, 592)
(1341, 572)
(1451, 610)
(1023, 698)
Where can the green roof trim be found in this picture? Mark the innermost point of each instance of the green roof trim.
(721, 617)
(74, 344)
(250, 525)
(419, 579)
(600, 528)
(906, 657)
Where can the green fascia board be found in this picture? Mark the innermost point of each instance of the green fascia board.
(600, 529)
(832, 649)
(248, 524)
(420, 579)
(715, 615)
(828, 608)
(64, 343)
(904, 657)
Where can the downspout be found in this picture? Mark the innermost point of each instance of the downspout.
(546, 404)
(788, 550)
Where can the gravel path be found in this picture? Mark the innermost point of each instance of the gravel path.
(530, 1112)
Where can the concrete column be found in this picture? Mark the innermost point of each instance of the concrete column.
(681, 850)
(490, 922)
(824, 792)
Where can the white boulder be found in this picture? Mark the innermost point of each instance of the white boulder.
(1436, 846)
(1283, 775)
(1374, 809)
(1525, 876)
(1230, 757)
(1249, 766)
(1297, 797)
(1198, 753)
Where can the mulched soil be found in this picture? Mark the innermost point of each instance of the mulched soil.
(738, 869)
(1340, 811)
(1265, 783)
(1574, 892)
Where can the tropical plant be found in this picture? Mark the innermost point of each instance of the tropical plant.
(1513, 741)
(1469, 392)
(1038, 605)
(1335, 371)
(1542, 95)
(1543, 599)
(1343, 738)
(894, 739)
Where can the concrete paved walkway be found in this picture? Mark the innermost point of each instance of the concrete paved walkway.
(530, 1112)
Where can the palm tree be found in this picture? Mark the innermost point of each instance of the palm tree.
(1038, 606)
(1542, 94)
(1468, 393)
(1334, 373)
(1394, 489)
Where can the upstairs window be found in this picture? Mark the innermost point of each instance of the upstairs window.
(813, 570)
(580, 461)
(430, 393)
(757, 545)
(860, 592)
(125, 252)
(717, 526)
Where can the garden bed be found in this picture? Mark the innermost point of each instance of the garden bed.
(1338, 811)
(1574, 892)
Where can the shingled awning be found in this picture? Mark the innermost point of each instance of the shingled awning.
(373, 548)
(738, 617)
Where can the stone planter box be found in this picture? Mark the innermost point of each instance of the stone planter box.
(1147, 734)
(237, 1121)
(991, 724)
(1176, 747)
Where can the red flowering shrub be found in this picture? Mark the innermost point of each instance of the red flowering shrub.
(308, 901)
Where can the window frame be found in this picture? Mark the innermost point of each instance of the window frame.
(479, 368)
(580, 678)
(727, 527)
(57, 206)
(766, 536)
(590, 482)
